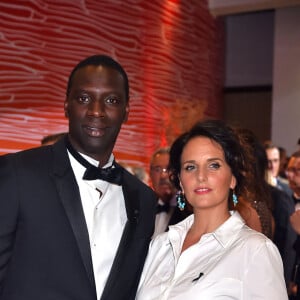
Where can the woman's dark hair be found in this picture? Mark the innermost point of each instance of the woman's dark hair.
(223, 135)
(257, 186)
(255, 150)
(258, 191)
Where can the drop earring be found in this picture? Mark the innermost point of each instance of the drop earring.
(234, 199)
(180, 200)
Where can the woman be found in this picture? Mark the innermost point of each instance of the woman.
(255, 205)
(212, 254)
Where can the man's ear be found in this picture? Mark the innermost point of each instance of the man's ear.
(66, 106)
(127, 109)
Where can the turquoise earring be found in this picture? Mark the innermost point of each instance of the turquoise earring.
(180, 200)
(234, 199)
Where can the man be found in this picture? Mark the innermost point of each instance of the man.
(273, 155)
(65, 234)
(295, 221)
(293, 175)
(167, 212)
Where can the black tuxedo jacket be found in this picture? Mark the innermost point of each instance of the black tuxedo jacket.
(179, 215)
(44, 243)
(284, 235)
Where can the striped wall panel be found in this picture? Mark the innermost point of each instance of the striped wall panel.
(172, 51)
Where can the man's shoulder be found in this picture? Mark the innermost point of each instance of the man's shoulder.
(136, 183)
(142, 193)
(284, 187)
(26, 154)
(38, 156)
(282, 203)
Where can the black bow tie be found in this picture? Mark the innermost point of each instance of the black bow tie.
(111, 174)
(162, 208)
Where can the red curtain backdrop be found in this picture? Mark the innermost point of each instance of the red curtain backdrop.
(172, 51)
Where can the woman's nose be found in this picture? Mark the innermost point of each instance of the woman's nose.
(201, 174)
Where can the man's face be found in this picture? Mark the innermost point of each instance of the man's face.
(96, 108)
(273, 161)
(160, 177)
(293, 174)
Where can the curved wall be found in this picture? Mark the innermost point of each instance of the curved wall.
(172, 51)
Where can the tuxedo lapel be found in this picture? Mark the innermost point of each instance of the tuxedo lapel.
(118, 273)
(70, 197)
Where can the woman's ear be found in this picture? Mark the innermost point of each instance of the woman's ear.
(233, 182)
(181, 185)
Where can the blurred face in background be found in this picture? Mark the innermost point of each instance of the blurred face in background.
(293, 174)
(159, 176)
(273, 161)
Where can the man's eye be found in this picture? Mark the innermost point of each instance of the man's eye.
(214, 166)
(84, 99)
(112, 100)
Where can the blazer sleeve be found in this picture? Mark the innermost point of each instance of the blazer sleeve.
(297, 245)
(9, 189)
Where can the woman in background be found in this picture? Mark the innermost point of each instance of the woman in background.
(212, 254)
(255, 205)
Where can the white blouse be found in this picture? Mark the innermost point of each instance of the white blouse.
(233, 262)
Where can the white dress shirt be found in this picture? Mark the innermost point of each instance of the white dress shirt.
(105, 214)
(233, 262)
(162, 220)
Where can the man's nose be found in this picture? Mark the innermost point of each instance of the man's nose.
(270, 165)
(96, 108)
(164, 172)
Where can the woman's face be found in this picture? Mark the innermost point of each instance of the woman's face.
(205, 176)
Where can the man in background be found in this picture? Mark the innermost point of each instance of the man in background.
(293, 175)
(167, 211)
(273, 155)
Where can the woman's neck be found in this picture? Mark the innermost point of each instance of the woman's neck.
(204, 222)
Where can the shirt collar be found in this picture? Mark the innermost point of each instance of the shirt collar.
(224, 234)
(96, 162)
(227, 231)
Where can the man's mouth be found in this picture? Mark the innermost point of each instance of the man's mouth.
(95, 131)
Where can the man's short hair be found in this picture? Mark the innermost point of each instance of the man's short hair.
(100, 60)
(163, 150)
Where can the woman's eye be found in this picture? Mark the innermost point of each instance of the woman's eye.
(189, 167)
(214, 166)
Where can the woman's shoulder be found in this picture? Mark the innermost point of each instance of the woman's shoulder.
(253, 241)
(241, 235)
